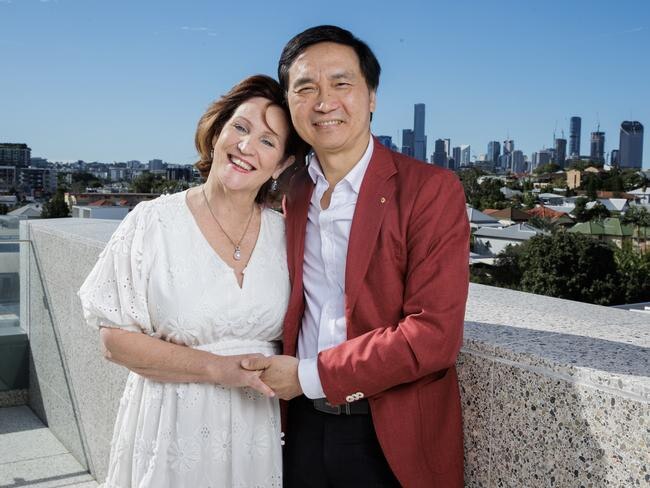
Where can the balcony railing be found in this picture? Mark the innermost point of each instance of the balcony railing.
(554, 392)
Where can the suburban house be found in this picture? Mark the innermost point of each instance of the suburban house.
(494, 240)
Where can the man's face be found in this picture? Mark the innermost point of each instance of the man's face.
(329, 99)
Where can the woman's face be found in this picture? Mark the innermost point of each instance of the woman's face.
(250, 148)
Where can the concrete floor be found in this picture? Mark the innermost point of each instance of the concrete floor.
(31, 456)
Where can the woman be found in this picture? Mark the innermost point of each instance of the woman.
(205, 268)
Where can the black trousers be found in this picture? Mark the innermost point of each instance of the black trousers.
(330, 451)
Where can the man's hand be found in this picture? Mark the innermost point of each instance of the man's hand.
(280, 374)
(228, 371)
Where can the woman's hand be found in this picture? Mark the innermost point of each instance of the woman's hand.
(227, 371)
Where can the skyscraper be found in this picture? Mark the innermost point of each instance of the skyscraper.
(518, 162)
(447, 146)
(574, 137)
(631, 145)
(465, 155)
(408, 141)
(597, 153)
(493, 152)
(420, 140)
(456, 157)
(439, 154)
(505, 160)
(560, 152)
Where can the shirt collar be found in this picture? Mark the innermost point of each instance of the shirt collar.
(354, 176)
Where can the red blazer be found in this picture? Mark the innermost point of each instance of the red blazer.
(405, 291)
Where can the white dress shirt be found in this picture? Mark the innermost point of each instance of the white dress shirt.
(326, 249)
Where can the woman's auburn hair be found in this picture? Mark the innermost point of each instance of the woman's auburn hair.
(219, 112)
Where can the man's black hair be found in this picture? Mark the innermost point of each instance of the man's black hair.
(329, 33)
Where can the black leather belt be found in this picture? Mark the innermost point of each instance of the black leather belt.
(360, 407)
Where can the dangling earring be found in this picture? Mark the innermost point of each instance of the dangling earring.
(274, 184)
(211, 154)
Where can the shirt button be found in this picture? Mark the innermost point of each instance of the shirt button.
(349, 398)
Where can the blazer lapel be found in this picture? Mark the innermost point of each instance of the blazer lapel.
(375, 194)
(297, 211)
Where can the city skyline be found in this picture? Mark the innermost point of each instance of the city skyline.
(119, 81)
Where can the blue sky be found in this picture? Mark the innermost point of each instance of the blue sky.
(116, 80)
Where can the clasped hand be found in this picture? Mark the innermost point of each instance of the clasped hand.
(277, 373)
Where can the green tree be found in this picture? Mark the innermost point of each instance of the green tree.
(592, 185)
(598, 212)
(169, 186)
(529, 200)
(56, 207)
(633, 179)
(639, 217)
(580, 212)
(546, 168)
(505, 273)
(543, 223)
(634, 274)
(571, 266)
(143, 183)
(81, 181)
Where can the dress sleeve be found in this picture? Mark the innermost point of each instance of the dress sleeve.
(115, 292)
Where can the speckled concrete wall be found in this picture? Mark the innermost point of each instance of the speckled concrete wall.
(555, 393)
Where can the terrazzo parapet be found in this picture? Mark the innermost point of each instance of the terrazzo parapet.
(13, 398)
(582, 356)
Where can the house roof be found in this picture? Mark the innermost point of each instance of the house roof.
(611, 204)
(508, 213)
(478, 217)
(609, 227)
(104, 202)
(29, 210)
(546, 212)
(516, 232)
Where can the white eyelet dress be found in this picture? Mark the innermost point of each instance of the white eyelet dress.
(159, 276)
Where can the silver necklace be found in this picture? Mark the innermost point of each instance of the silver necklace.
(236, 255)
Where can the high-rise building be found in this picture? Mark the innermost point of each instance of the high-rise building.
(155, 164)
(597, 153)
(439, 155)
(133, 164)
(544, 156)
(493, 152)
(518, 162)
(37, 180)
(631, 145)
(613, 157)
(408, 142)
(447, 147)
(574, 137)
(17, 155)
(505, 160)
(560, 152)
(386, 141)
(465, 155)
(420, 140)
(456, 157)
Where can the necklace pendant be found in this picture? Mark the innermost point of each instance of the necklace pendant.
(237, 254)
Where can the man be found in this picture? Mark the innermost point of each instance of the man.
(377, 245)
